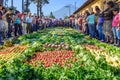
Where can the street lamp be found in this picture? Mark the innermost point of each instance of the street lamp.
(68, 9)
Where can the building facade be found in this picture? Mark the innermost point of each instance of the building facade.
(90, 5)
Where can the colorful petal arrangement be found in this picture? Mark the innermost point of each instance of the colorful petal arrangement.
(48, 58)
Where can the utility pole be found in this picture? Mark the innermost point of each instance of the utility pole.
(75, 6)
(38, 9)
(27, 6)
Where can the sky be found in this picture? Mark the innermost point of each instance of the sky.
(53, 5)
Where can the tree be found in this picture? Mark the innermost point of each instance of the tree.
(51, 15)
(42, 14)
(40, 4)
(27, 4)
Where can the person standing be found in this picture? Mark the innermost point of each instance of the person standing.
(97, 10)
(1, 25)
(80, 23)
(76, 23)
(5, 22)
(9, 17)
(73, 22)
(24, 24)
(29, 23)
(38, 23)
(115, 25)
(20, 28)
(118, 29)
(91, 24)
(100, 24)
(85, 23)
(34, 23)
(17, 25)
(107, 25)
(43, 23)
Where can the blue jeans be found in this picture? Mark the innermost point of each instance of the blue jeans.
(20, 29)
(114, 32)
(118, 34)
(100, 31)
(34, 27)
(91, 30)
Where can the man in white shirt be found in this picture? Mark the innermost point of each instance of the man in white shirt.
(29, 23)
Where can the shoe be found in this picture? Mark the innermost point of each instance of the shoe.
(115, 41)
(118, 43)
(102, 40)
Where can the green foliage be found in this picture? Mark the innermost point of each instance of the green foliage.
(51, 15)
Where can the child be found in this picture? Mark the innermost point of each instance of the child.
(115, 23)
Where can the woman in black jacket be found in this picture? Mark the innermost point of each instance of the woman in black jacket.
(107, 25)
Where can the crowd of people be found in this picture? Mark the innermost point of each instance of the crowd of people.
(15, 23)
(101, 24)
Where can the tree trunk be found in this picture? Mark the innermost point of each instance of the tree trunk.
(22, 5)
(27, 4)
(40, 11)
(38, 5)
(12, 3)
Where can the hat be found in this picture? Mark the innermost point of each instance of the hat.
(118, 1)
(116, 9)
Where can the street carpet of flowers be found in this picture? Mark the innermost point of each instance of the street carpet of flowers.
(58, 53)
